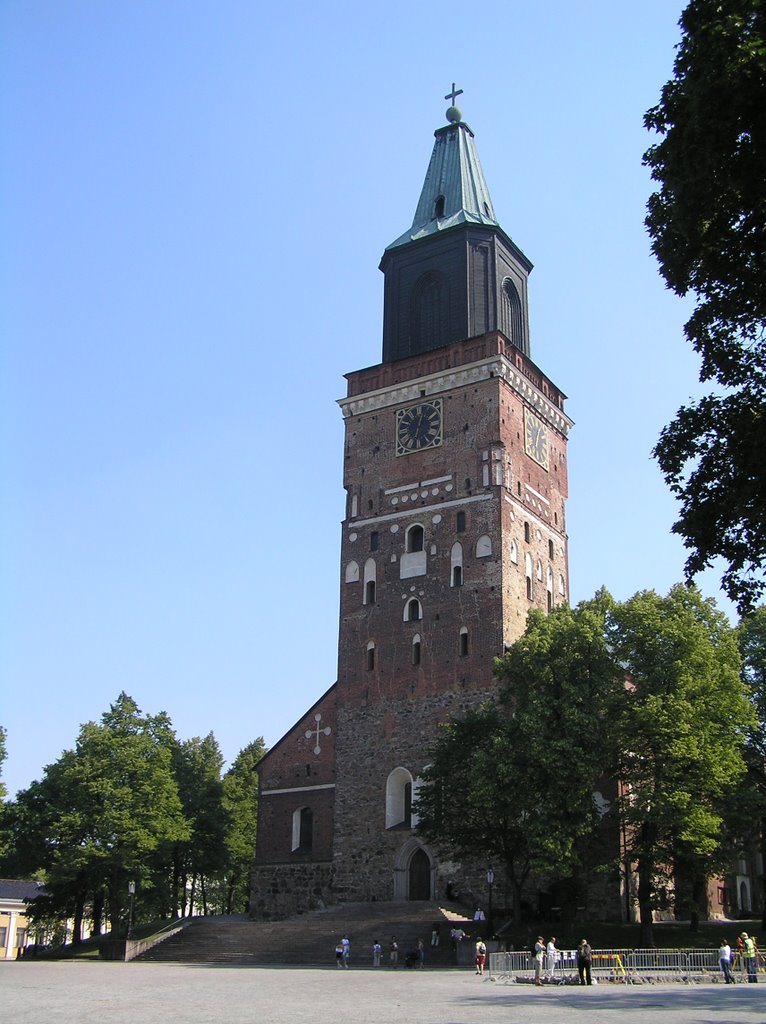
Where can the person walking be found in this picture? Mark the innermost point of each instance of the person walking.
(339, 955)
(724, 959)
(393, 952)
(376, 951)
(584, 961)
(750, 958)
(481, 955)
(421, 953)
(539, 953)
(346, 950)
(551, 956)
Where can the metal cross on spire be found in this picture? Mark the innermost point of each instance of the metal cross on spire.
(452, 95)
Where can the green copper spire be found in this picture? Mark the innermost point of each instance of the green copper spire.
(455, 190)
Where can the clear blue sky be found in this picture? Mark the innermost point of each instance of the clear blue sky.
(194, 200)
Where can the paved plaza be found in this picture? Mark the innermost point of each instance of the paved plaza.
(92, 993)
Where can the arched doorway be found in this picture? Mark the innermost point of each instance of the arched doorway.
(419, 876)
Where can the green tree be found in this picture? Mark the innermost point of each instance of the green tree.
(680, 730)
(707, 222)
(201, 855)
(240, 799)
(496, 775)
(752, 644)
(3, 755)
(100, 812)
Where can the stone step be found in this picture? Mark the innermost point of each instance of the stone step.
(311, 938)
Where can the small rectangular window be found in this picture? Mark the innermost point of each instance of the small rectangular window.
(460, 524)
(374, 540)
(550, 549)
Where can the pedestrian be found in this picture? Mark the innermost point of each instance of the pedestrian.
(750, 958)
(724, 959)
(478, 915)
(393, 952)
(376, 951)
(435, 936)
(339, 955)
(421, 951)
(539, 953)
(551, 956)
(481, 955)
(346, 950)
(584, 960)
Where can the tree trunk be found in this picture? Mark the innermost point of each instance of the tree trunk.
(79, 914)
(645, 872)
(98, 911)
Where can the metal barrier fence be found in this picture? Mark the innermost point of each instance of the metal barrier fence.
(628, 966)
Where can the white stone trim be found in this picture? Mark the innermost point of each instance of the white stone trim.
(456, 377)
(297, 789)
(419, 510)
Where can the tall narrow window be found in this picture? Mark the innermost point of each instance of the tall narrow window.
(526, 532)
(412, 611)
(415, 538)
(511, 318)
(416, 649)
(370, 576)
(370, 656)
(463, 644)
(303, 829)
(460, 522)
(456, 565)
(528, 574)
(374, 540)
(457, 576)
(439, 207)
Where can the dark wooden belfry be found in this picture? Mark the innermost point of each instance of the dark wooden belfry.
(455, 274)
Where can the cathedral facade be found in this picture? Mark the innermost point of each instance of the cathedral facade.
(455, 471)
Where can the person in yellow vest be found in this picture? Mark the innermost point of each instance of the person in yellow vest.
(750, 957)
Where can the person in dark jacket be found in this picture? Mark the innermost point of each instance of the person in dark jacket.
(584, 960)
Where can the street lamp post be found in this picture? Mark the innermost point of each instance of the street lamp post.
(490, 882)
(132, 894)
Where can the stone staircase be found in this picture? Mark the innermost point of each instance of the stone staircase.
(310, 938)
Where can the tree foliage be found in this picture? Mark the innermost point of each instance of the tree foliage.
(681, 729)
(516, 780)
(707, 222)
(131, 803)
(640, 702)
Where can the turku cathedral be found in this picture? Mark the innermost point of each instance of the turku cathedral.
(455, 471)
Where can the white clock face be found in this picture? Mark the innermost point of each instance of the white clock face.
(535, 439)
(419, 427)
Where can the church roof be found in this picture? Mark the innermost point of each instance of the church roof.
(455, 190)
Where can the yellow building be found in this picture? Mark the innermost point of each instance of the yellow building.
(14, 925)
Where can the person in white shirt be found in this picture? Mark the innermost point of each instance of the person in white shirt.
(724, 959)
(551, 956)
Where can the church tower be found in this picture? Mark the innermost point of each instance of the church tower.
(456, 481)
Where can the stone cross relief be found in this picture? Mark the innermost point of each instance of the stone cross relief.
(317, 731)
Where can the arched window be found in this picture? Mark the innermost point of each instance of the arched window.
(370, 655)
(414, 538)
(463, 642)
(413, 611)
(562, 588)
(456, 565)
(539, 570)
(352, 573)
(483, 546)
(514, 552)
(416, 649)
(369, 581)
(528, 574)
(526, 533)
(399, 799)
(303, 830)
(511, 318)
(439, 207)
